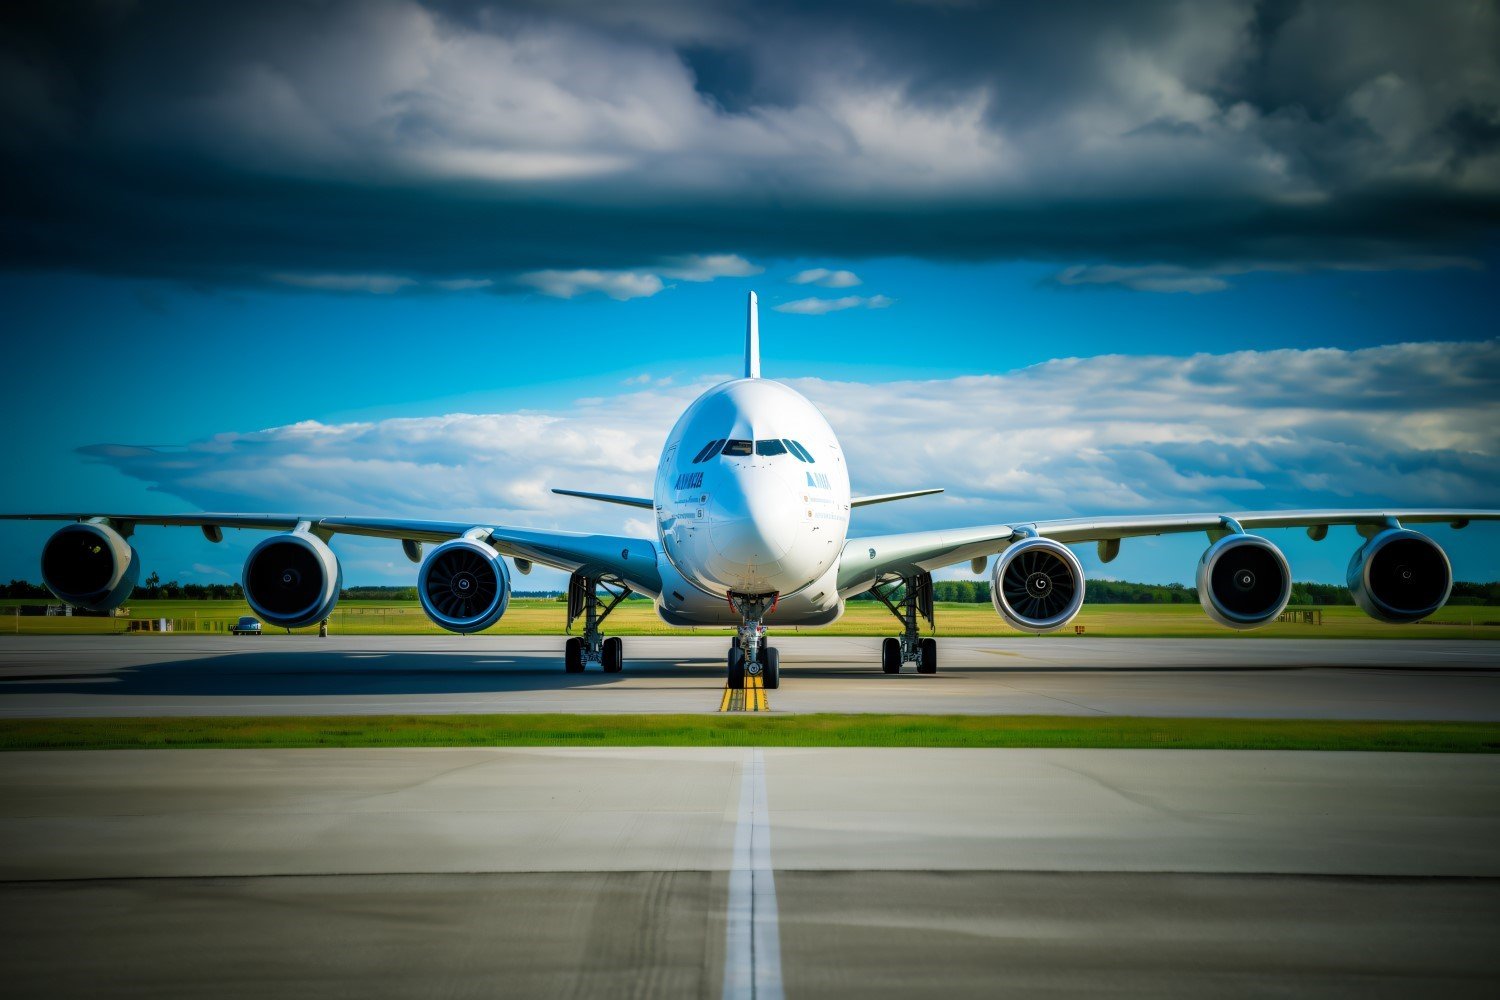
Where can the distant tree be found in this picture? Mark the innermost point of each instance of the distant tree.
(20, 589)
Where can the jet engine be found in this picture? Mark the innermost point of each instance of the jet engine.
(1243, 581)
(1400, 576)
(292, 580)
(90, 566)
(463, 585)
(1037, 585)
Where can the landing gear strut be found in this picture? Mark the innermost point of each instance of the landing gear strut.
(748, 653)
(906, 597)
(592, 647)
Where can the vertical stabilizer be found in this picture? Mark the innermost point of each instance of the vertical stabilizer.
(752, 341)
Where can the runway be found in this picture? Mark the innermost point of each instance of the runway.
(1241, 677)
(652, 872)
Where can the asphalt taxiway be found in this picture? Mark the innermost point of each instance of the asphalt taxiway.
(1244, 677)
(709, 871)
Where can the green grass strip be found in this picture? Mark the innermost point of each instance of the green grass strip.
(1110, 732)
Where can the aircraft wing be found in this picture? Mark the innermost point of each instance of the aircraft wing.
(630, 560)
(866, 560)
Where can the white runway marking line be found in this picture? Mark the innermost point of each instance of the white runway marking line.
(752, 952)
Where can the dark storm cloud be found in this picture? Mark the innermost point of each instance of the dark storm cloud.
(396, 146)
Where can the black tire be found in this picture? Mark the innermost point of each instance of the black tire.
(573, 656)
(736, 669)
(770, 674)
(735, 642)
(614, 655)
(890, 656)
(928, 663)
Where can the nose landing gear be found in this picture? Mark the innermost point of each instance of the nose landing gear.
(748, 653)
(906, 597)
(592, 646)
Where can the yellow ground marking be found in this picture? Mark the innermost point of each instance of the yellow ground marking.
(750, 698)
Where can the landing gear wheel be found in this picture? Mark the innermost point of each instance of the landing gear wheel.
(890, 656)
(735, 642)
(770, 675)
(928, 663)
(736, 668)
(614, 655)
(573, 656)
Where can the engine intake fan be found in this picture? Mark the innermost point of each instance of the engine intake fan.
(90, 566)
(1243, 581)
(1037, 585)
(464, 586)
(1400, 576)
(292, 580)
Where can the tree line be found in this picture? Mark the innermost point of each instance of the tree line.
(153, 588)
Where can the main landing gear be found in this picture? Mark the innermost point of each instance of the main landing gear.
(906, 597)
(592, 647)
(748, 653)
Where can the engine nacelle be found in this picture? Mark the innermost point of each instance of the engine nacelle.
(90, 566)
(1037, 585)
(1400, 576)
(292, 580)
(1243, 581)
(463, 585)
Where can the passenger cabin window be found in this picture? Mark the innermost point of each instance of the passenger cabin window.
(739, 448)
(709, 451)
(770, 447)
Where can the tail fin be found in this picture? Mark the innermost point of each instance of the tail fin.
(752, 341)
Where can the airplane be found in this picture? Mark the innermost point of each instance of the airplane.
(752, 507)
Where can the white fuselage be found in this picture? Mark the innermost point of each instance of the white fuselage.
(765, 511)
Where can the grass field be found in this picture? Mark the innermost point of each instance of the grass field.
(529, 616)
(797, 731)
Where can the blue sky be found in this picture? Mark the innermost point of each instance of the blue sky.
(376, 217)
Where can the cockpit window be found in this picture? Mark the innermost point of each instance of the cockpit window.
(739, 448)
(769, 447)
(709, 451)
(800, 451)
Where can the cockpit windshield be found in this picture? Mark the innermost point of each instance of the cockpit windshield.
(709, 451)
(765, 448)
(800, 451)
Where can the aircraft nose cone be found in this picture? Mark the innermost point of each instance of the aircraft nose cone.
(756, 525)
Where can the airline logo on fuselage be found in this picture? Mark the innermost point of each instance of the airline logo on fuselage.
(689, 481)
(818, 481)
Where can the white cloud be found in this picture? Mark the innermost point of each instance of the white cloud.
(640, 283)
(646, 378)
(1196, 281)
(375, 284)
(618, 285)
(817, 307)
(1409, 424)
(707, 267)
(463, 284)
(825, 278)
(1156, 278)
(203, 569)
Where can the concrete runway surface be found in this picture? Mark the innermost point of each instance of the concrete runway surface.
(221, 675)
(705, 872)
